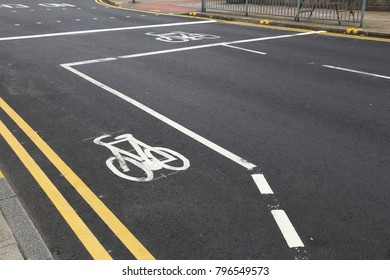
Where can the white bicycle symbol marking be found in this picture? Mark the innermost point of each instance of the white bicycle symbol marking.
(146, 158)
(181, 37)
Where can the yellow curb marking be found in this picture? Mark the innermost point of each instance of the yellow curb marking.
(353, 31)
(78, 226)
(266, 21)
(1, 175)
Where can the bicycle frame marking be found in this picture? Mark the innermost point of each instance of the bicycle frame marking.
(181, 37)
(142, 156)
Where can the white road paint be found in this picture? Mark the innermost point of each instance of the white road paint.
(181, 36)
(287, 229)
(14, 6)
(243, 49)
(143, 156)
(166, 120)
(56, 5)
(357, 72)
(262, 184)
(103, 30)
(188, 48)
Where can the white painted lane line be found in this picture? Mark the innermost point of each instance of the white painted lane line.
(77, 19)
(287, 229)
(357, 72)
(189, 48)
(102, 30)
(166, 120)
(39, 22)
(243, 49)
(262, 184)
(58, 21)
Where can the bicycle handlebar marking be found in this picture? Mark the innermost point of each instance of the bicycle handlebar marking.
(145, 157)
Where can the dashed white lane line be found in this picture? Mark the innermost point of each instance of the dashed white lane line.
(262, 184)
(112, 17)
(32, 10)
(17, 24)
(39, 22)
(127, 16)
(357, 72)
(102, 30)
(58, 21)
(287, 229)
(243, 49)
(77, 19)
(95, 18)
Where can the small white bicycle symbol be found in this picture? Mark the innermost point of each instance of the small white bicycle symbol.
(146, 158)
(180, 36)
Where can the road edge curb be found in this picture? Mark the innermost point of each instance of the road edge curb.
(28, 239)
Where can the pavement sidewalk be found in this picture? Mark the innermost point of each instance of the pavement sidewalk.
(19, 239)
(376, 23)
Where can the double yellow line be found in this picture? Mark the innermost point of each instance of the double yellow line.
(88, 239)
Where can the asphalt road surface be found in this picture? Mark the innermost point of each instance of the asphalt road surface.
(132, 135)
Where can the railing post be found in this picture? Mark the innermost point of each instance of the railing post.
(298, 10)
(203, 5)
(363, 11)
(246, 7)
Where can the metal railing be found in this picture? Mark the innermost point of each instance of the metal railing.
(333, 10)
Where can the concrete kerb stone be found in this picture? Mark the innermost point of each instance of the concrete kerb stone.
(19, 238)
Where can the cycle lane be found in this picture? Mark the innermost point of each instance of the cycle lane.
(55, 102)
(289, 159)
(38, 101)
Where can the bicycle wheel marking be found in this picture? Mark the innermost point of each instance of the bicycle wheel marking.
(181, 37)
(139, 162)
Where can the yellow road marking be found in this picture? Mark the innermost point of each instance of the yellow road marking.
(127, 238)
(1, 175)
(81, 230)
(100, 2)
